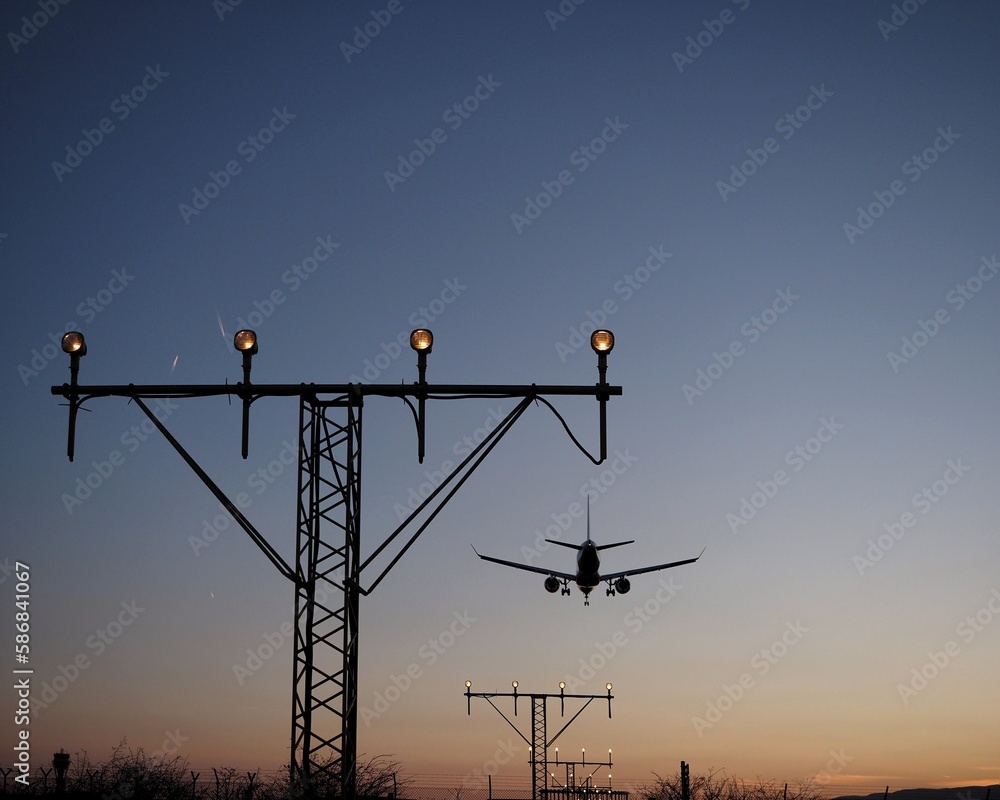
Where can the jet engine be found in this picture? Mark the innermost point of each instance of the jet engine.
(622, 585)
(551, 584)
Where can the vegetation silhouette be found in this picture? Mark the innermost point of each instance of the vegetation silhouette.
(133, 775)
(716, 785)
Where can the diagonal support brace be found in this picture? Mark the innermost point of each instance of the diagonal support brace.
(273, 555)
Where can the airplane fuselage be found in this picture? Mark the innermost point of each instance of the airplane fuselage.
(588, 565)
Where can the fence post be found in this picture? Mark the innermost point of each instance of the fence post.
(685, 781)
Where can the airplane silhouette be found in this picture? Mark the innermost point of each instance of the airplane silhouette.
(588, 565)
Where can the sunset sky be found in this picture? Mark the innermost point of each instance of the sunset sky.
(787, 214)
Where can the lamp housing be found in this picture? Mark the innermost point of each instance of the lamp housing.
(245, 341)
(421, 340)
(602, 341)
(74, 344)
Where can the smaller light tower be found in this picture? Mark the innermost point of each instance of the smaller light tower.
(539, 742)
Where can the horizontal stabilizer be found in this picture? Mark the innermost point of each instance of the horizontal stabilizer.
(565, 544)
(616, 544)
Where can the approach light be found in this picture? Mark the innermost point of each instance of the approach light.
(608, 687)
(468, 684)
(74, 344)
(562, 685)
(514, 684)
(602, 341)
(422, 340)
(246, 342)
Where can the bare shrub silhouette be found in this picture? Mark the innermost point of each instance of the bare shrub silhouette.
(716, 785)
(133, 775)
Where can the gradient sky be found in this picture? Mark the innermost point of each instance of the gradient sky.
(790, 209)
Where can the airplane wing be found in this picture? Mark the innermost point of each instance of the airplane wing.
(614, 575)
(515, 565)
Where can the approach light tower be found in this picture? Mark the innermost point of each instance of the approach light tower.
(539, 743)
(328, 568)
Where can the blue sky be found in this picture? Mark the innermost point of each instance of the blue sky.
(788, 209)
